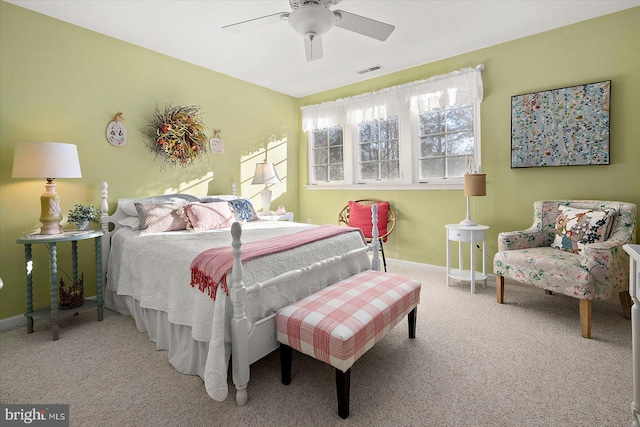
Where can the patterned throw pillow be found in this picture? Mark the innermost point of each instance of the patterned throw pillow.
(577, 227)
(243, 210)
(130, 207)
(208, 216)
(159, 217)
(360, 217)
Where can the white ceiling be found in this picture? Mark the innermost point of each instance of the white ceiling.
(273, 56)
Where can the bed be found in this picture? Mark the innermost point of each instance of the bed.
(148, 276)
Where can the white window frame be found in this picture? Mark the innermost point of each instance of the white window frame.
(376, 105)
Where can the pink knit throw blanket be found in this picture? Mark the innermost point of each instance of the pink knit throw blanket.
(211, 268)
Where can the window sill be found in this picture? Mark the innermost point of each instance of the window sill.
(453, 185)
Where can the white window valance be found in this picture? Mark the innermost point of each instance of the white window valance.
(442, 91)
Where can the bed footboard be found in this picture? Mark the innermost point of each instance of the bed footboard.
(245, 348)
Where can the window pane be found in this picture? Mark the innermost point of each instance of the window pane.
(367, 131)
(320, 157)
(432, 146)
(394, 128)
(335, 136)
(319, 138)
(389, 150)
(431, 122)
(336, 172)
(390, 170)
(460, 143)
(369, 170)
(460, 119)
(368, 152)
(432, 168)
(335, 155)
(320, 173)
(456, 166)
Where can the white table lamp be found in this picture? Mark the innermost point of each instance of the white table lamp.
(266, 174)
(48, 160)
(475, 184)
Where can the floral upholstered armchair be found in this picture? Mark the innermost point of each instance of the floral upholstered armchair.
(574, 247)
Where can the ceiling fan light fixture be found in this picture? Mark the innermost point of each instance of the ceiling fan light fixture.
(311, 19)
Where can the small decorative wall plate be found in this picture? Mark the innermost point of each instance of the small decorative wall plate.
(216, 144)
(116, 133)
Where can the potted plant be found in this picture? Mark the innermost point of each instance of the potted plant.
(81, 215)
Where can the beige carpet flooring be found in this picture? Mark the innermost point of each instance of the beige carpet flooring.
(473, 363)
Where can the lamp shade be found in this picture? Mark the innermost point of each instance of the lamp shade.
(265, 174)
(475, 184)
(46, 160)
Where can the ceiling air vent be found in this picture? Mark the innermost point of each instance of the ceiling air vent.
(370, 69)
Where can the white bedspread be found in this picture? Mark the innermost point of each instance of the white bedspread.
(155, 270)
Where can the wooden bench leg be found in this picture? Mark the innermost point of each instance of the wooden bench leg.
(412, 317)
(343, 384)
(499, 289)
(625, 303)
(585, 317)
(286, 354)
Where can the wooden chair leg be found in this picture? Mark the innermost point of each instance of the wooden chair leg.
(384, 260)
(585, 317)
(286, 355)
(499, 289)
(343, 384)
(412, 317)
(625, 302)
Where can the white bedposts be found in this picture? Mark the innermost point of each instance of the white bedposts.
(375, 242)
(104, 223)
(239, 322)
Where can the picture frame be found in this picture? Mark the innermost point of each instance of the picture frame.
(561, 127)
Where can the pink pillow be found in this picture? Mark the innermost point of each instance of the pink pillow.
(360, 217)
(159, 217)
(208, 216)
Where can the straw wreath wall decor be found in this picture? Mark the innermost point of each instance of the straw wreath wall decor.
(177, 134)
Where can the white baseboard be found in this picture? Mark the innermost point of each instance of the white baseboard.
(12, 322)
(416, 265)
(425, 267)
(21, 320)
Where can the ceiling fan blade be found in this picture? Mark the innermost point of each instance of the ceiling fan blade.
(256, 22)
(365, 26)
(313, 46)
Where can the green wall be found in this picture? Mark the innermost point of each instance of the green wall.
(63, 83)
(605, 48)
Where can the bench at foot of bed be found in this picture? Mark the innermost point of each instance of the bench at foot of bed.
(339, 323)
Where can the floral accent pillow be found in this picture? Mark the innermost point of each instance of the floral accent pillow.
(243, 210)
(159, 217)
(208, 216)
(577, 227)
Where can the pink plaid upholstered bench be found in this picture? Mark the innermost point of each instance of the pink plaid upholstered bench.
(339, 323)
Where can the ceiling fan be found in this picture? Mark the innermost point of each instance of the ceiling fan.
(313, 18)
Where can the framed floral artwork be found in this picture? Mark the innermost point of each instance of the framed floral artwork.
(561, 127)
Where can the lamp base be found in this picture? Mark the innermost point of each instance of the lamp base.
(266, 201)
(467, 222)
(50, 212)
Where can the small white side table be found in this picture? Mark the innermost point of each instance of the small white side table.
(276, 217)
(472, 234)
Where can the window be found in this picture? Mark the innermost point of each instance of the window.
(446, 141)
(327, 154)
(379, 149)
(422, 134)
